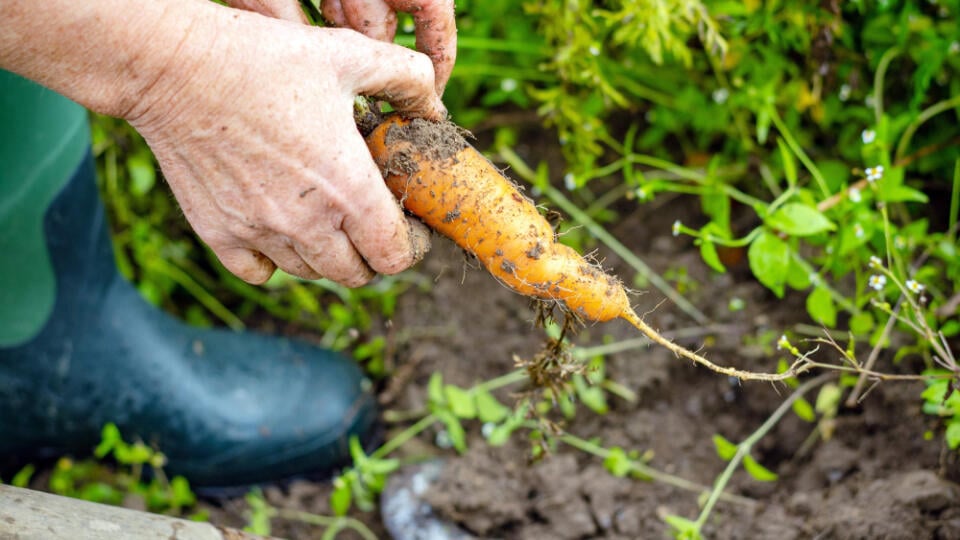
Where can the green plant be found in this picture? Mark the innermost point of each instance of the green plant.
(124, 480)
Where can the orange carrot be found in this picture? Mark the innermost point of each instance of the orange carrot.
(460, 194)
(456, 191)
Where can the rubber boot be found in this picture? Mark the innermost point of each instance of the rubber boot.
(228, 409)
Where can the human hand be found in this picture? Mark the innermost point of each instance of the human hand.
(435, 25)
(434, 21)
(256, 137)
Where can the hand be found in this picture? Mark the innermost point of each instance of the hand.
(256, 138)
(436, 29)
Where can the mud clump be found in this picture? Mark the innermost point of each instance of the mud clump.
(436, 141)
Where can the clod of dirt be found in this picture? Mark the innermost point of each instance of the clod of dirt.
(558, 500)
(437, 141)
(483, 494)
(893, 508)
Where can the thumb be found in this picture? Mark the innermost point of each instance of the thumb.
(288, 10)
(398, 75)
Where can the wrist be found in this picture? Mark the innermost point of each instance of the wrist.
(108, 55)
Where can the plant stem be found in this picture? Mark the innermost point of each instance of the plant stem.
(654, 474)
(337, 523)
(924, 115)
(878, 78)
(743, 449)
(798, 151)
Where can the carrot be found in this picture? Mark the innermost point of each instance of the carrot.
(456, 191)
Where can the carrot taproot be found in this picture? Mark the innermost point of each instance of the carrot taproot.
(456, 191)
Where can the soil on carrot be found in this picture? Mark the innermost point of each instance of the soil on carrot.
(880, 474)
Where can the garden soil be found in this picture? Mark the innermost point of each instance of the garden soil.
(880, 475)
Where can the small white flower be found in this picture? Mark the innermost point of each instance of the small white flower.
(594, 50)
(783, 342)
(914, 286)
(875, 262)
(641, 194)
(868, 136)
(676, 227)
(569, 181)
(954, 47)
(877, 282)
(720, 96)
(854, 195)
(508, 85)
(870, 101)
(844, 93)
(874, 173)
(487, 429)
(858, 230)
(814, 278)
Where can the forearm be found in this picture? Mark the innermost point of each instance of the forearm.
(103, 54)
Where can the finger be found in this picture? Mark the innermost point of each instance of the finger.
(372, 18)
(280, 250)
(395, 74)
(436, 31)
(336, 258)
(248, 265)
(332, 12)
(288, 10)
(419, 238)
(374, 222)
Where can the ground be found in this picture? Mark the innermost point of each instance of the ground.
(880, 475)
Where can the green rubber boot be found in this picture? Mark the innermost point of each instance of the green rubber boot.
(79, 347)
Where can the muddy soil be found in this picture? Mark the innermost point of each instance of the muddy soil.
(878, 476)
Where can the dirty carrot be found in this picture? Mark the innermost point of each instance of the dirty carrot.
(457, 192)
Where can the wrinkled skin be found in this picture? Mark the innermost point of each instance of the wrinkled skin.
(249, 112)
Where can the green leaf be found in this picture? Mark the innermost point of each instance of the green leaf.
(769, 259)
(952, 435)
(180, 492)
(797, 277)
(489, 409)
(861, 323)
(381, 466)
(617, 462)
(341, 497)
(789, 163)
(22, 478)
(725, 449)
(797, 219)
(804, 410)
(143, 175)
(460, 401)
(458, 436)
(716, 204)
(902, 193)
(685, 529)
(591, 396)
(758, 471)
(828, 399)
(109, 436)
(820, 306)
(709, 253)
(435, 389)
